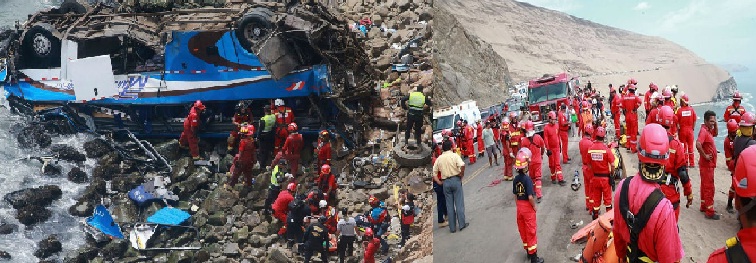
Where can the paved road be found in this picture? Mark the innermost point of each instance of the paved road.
(491, 212)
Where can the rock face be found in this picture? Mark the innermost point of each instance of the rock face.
(41, 196)
(725, 90)
(68, 153)
(34, 135)
(78, 176)
(47, 247)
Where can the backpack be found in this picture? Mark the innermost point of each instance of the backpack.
(636, 222)
(735, 253)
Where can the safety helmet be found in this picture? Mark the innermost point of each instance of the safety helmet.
(745, 171)
(674, 89)
(529, 126)
(292, 127)
(278, 102)
(732, 125)
(459, 122)
(198, 104)
(586, 105)
(747, 120)
(588, 129)
(325, 169)
(632, 81)
(631, 87)
(667, 93)
(653, 147)
(505, 120)
(600, 132)
(685, 98)
(552, 115)
(666, 116)
(736, 96)
(240, 106)
(523, 158)
(373, 201)
(291, 187)
(653, 87)
(654, 96)
(324, 133)
(323, 204)
(368, 232)
(736, 116)
(282, 162)
(247, 130)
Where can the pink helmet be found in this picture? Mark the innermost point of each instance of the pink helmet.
(589, 129)
(736, 96)
(685, 98)
(529, 126)
(745, 171)
(653, 145)
(666, 116)
(732, 126)
(600, 132)
(653, 87)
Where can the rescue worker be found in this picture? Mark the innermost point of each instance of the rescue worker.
(241, 118)
(245, 158)
(347, 230)
(742, 247)
(284, 117)
(331, 215)
(461, 138)
(667, 93)
(415, 103)
(274, 188)
(191, 128)
(298, 210)
(744, 140)
(281, 206)
(535, 143)
(615, 108)
(323, 151)
(522, 188)
(379, 220)
(674, 98)
(676, 168)
(584, 145)
(686, 118)
(292, 149)
(371, 244)
(729, 149)
(564, 129)
(630, 104)
(707, 161)
(507, 149)
(479, 136)
(652, 234)
(551, 138)
(316, 240)
(326, 182)
(735, 107)
(586, 115)
(469, 140)
(602, 166)
(652, 88)
(266, 136)
(657, 100)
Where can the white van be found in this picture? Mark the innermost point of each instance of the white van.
(445, 118)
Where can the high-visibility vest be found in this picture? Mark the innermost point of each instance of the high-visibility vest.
(416, 100)
(270, 121)
(274, 176)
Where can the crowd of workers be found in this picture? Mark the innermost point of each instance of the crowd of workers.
(646, 208)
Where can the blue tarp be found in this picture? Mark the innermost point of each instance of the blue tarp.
(102, 220)
(140, 195)
(168, 216)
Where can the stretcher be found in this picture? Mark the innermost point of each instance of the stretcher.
(599, 246)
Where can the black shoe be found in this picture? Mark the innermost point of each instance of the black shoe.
(562, 183)
(538, 200)
(730, 209)
(713, 217)
(553, 181)
(463, 228)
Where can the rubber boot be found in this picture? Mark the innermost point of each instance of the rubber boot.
(535, 259)
(729, 206)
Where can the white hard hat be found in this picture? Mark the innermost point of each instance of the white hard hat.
(322, 203)
(406, 207)
(278, 102)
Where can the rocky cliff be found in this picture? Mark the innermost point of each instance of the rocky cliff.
(725, 90)
(534, 40)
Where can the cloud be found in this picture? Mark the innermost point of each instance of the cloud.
(642, 6)
(684, 16)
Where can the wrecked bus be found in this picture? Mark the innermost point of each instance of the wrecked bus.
(107, 66)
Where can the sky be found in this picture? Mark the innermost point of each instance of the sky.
(720, 31)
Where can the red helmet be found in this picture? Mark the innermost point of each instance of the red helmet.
(732, 125)
(529, 126)
(198, 104)
(373, 201)
(325, 169)
(748, 120)
(368, 232)
(667, 94)
(552, 115)
(600, 132)
(631, 87)
(522, 159)
(632, 81)
(248, 130)
(736, 96)
(745, 171)
(653, 87)
(446, 133)
(653, 147)
(292, 127)
(589, 129)
(666, 116)
(685, 98)
(324, 133)
(291, 187)
(736, 116)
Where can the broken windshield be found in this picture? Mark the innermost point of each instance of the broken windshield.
(548, 92)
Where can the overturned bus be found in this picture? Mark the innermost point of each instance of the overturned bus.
(106, 66)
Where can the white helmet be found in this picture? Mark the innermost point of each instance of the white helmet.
(406, 207)
(322, 204)
(278, 102)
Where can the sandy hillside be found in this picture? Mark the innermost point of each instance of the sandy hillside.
(534, 40)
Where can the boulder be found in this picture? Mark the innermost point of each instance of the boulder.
(67, 153)
(277, 255)
(126, 182)
(169, 150)
(97, 148)
(106, 171)
(78, 176)
(81, 255)
(40, 196)
(115, 249)
(202, 256)
(52, 169)
(81, 209)
(7, 228)
(5, 255)
(48, 246)
(34, 135)
(180, 257)
(231, 249)
(199, 179)
(262, 229)
(241, 235)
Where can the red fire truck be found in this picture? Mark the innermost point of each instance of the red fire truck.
(548, 93)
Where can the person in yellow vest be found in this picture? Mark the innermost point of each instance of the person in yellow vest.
(265, 136)
(415, 103)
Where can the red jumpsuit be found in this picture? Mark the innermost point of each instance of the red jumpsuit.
(707, 170)
(536, 146)
(238, 118)
(729, 150)
(652, 116)
(746, 238)
(676, 161)
(564, 129)
(647, 101)
(370, 249)
(630, 104)
(244, 162)
(601, 161)
(615, 109)
(189, 135)
(327, 184)
(469, 136)
(284, 117)
(732, 109)
(291, 151)
(527, 225)
(506, 149)
(686, 117)
(324, 153)
(659, 239)
(551, 134)
(479, 135)
(281, 205)
(584, 145)
(332, 219)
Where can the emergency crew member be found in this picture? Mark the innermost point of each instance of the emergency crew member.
(564, 129)
(742, 247)
(266, 136)
(316, 240)
(676, 169)
(602, 166)
(586, 115)
(522, 188)
(744, 140)
(669, 102)
(479, 136)
(191, 128)
(245, 159)
(284, 117)
(276, 177)
(735, 107)
(729, 149)
(707, 161)
(292, 149)
(652, 88)
(469, 140)
(323, 151)
(281, 206)
(241, 118)
(658, 240)
(379, 220)
(416, 103)
(551, 134)
(657, 100)
(371, 244)
(332, 216)
(616, 105)
(515, 137)
(507, 148)
(535, 143)
(326, 182)
(584, 145)
(686, 116)
(630, 104)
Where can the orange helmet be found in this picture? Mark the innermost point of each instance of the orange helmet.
(198, 104)
(325, 169)
(292, 127)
